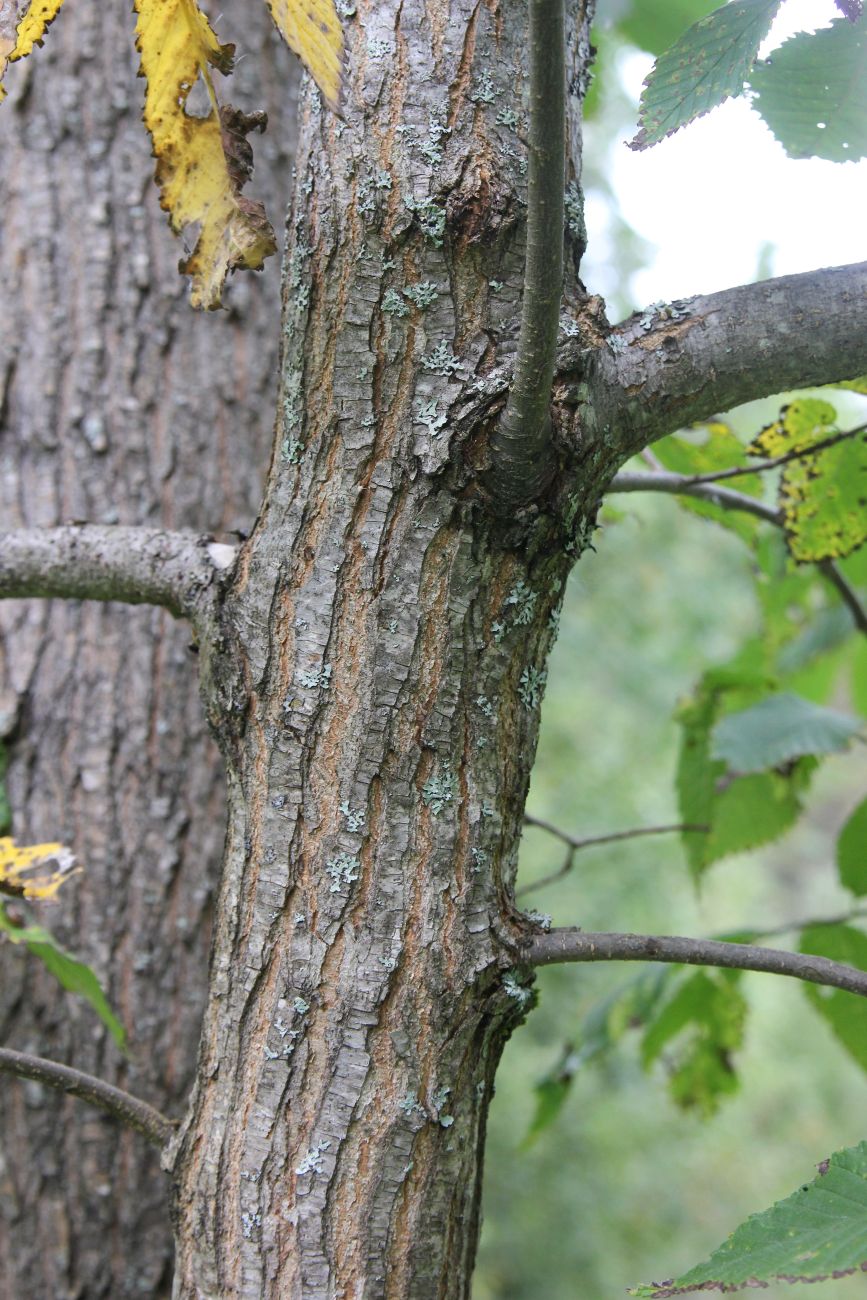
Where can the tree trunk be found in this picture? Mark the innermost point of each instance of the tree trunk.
(117, 403)
(376, 691)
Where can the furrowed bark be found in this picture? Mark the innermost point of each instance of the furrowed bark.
(119, 406)
(383, 660)
(137, 566)
(690, 359)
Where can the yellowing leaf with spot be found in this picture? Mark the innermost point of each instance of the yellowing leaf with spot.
(24, 873)
(202, 162)
(312, 29)
(22, 28)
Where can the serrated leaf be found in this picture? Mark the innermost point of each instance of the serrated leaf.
(812, 92)
(778, 730)
(845, 1013)
(802, 423)
(707, 1015)
(22, 27)
(818, 1232)
(824, 502)
(741, 812)
(706, 66)
(852, 852)
(202, 162)
(312, 29)
(73, 975)
(25, 871)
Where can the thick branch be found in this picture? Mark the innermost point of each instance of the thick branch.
(138, 566)
(521, 447)
(124, 1107)
(666, 368)
(729, 499)
(576, 945)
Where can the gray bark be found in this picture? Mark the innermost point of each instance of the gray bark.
(117, 405)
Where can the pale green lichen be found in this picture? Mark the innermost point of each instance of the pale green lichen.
(422, 294)
(442, 361)
(438, 791)
(393, 304)
(343, 870)
(531, 686)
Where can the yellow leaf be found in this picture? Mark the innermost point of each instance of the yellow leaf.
(21, 29)
(312, 29)
(24, 873)
(203, 162)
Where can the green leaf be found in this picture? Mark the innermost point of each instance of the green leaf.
(852, 852)
(654, 25)
(778, 730)
(812, 92)
(708, 64)
(707, 1014)
(859, 676)
(551, 1092)
(819, 1231)
(73, 975)
(741, 812)
(706, 449)
(846, 1013)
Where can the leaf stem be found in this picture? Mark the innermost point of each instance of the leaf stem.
(122, 1105)
(800, 453)
(571, 945)
(522, 454)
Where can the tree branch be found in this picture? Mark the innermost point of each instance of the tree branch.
(93, 562)
(761, 466)
(576, 945)
(522, 453)
(729, 499)
(127, 1109)
(668, 367)
(588, 841)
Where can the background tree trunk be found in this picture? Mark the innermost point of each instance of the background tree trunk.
(117, 403)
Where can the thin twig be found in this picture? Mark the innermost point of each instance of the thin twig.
(800, 453)
(790, 927)
(729, 499)
(570, 945)
(521, 446)
(122, 1105)
(576, 843)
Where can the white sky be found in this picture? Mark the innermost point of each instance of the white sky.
(710, 196)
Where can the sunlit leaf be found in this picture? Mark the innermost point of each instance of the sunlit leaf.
(202, 162)
(21, 27)
(25, 870)
(812, 92)
(802, 423)
(708, 64)
(779, 730)
(73, 975)
(824, 502)
(818, 1232)
(312, 29)
(846, 1013)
